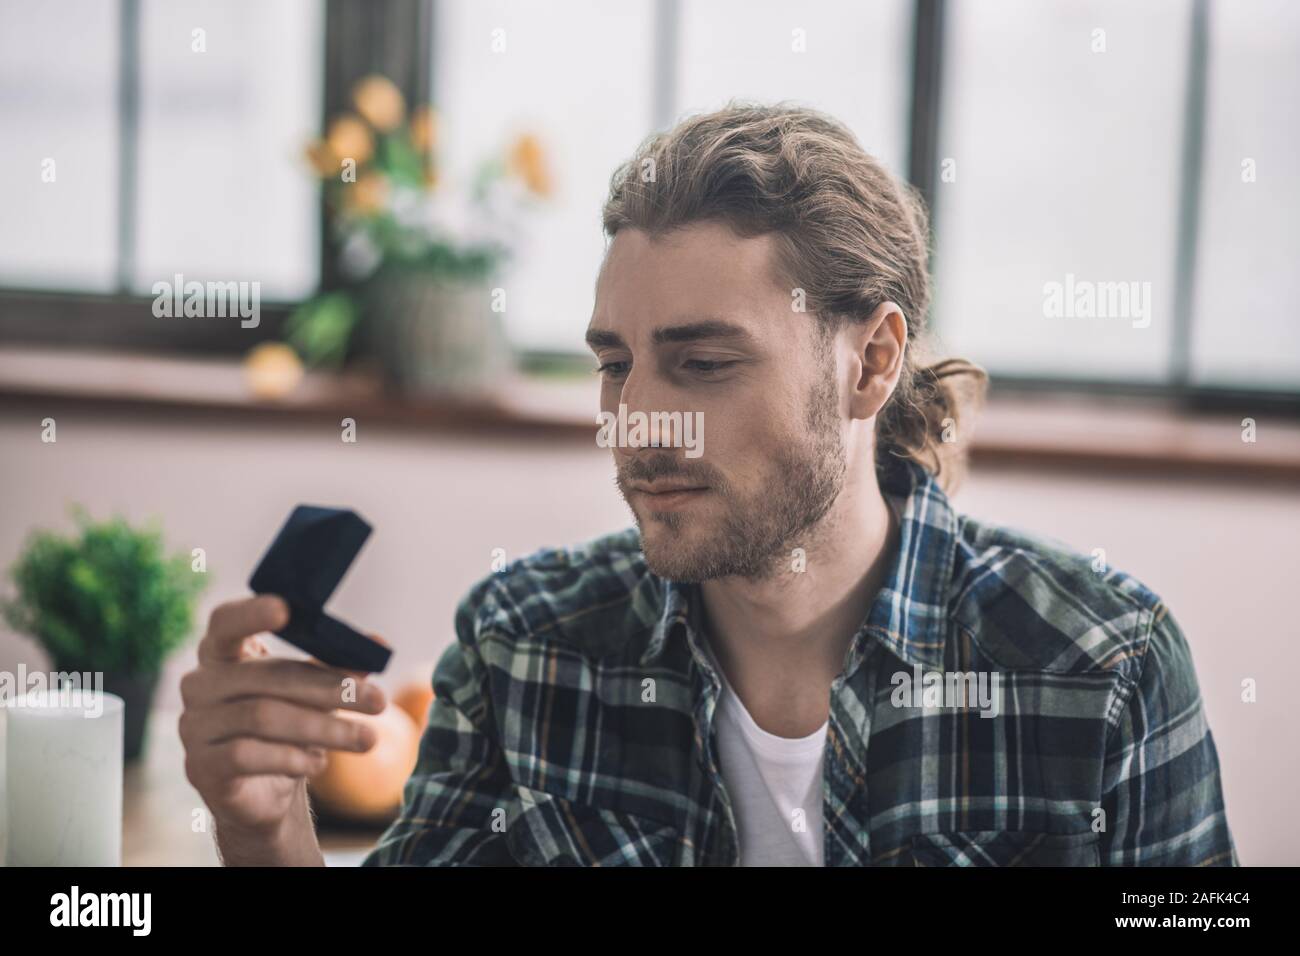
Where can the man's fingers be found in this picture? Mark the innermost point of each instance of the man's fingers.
(277, 721)
(231, 623)
(248, 756)
(299, 682)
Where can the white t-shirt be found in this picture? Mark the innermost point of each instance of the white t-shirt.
(775, 785)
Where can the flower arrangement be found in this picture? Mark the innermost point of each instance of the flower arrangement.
(390, 211)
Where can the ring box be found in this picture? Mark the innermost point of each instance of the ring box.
(304, 565)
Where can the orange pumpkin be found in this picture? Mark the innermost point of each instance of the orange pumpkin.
(367, 787)
(415, 700)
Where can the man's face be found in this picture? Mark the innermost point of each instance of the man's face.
(698, 321)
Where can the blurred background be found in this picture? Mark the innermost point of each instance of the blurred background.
(405, 194)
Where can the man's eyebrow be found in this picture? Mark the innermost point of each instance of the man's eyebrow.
(604, 339)
(686, 332)
(703, 329)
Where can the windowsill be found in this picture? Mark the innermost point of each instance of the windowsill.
(1056, 431)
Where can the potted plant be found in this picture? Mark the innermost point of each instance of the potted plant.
(108, 600)
(418, 254)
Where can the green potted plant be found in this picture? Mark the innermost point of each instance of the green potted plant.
(109, 600)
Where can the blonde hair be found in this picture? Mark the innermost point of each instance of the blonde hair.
(853, 234)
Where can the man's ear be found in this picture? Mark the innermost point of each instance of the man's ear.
(879, 347)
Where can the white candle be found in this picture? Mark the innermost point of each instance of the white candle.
(64, 779)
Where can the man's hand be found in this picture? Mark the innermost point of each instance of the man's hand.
(256, 727)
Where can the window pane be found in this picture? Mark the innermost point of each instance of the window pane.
(578, 75)
(1245, 330)
(852, 60)
(1056, 241)
(58, 102)
(223, 191)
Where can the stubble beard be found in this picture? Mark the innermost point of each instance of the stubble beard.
(758, 531)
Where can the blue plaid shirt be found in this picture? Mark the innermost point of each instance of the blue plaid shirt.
(574, 716)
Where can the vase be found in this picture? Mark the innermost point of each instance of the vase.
(137, 692)
(435, 336)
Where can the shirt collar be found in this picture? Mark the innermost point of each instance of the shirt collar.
(678, 611)
(909, 615)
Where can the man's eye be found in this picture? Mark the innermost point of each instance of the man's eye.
(707, 365)
(613, 369)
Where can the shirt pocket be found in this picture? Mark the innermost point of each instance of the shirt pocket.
(543, 829)
(1006, 848)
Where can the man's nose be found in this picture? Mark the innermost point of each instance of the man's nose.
(649, 405)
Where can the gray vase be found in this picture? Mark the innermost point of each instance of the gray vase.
(436, 337)
(137, 692)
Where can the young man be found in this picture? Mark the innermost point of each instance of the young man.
(803, 655)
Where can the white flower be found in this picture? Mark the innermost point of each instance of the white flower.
(449, 216)
(360, 255)
(407, 206)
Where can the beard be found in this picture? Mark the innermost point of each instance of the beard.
(758, 530)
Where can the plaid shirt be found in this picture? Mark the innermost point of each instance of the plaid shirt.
(574, 717)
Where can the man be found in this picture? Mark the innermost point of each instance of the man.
(803, 656)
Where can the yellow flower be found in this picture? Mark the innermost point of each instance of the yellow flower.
(367, 194)
(322, 159)
(348, 138)
(272, 370)
(431, 177)
(527, 160)
(380, 102)
(424, 129)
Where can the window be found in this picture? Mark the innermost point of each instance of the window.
(58, 166)
(1121, 154)
(851, 60)
(593, 79)
(221, 185)
(1246, 281)
(1060, 162)
(578, 74)
(178, 152)
(1110, 182)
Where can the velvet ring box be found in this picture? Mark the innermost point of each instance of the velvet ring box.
(304, 565)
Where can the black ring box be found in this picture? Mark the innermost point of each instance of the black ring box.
(304, 565)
